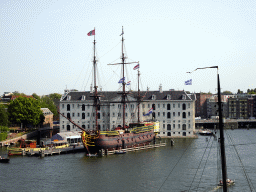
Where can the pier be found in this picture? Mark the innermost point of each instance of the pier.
(130, 149)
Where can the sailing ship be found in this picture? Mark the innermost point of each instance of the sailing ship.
(125, 136)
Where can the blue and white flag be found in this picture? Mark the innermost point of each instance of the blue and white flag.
(188, 82)
(128, 83)
(149, 112)
(121, 80)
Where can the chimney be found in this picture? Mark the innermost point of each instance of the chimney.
(160, 88)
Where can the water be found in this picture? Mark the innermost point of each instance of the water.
(189, 165)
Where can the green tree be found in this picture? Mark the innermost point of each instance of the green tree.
(47, 102)
(3, 115)
(55, 96)
(25, 110)
(227, 92)
(35, 96)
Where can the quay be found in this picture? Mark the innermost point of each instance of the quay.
(228, 123)
(131, 149)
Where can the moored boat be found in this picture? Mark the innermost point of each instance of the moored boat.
(205, 132)
(4, 160)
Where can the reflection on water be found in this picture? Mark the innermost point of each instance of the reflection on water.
(189, 165)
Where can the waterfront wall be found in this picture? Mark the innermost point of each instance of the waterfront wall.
(14, 140)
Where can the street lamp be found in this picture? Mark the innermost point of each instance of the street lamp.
(222, 144)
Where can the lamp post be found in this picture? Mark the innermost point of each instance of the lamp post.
(222, 144)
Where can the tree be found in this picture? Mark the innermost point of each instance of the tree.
(55, 96)
(25, 110)
(47, 102)
(227, 93)
(239, 91)
(3, 115)
(35, 96)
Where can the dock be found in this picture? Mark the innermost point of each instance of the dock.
(130, 149)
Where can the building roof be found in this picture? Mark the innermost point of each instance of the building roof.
(63, 136)
(46, 111)
(147, 95)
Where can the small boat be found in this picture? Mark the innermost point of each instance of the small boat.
(120, 152)
(92, 155)
(229, 182)
(4, 160)
(205, 132)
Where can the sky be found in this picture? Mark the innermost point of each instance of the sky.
(44, 47)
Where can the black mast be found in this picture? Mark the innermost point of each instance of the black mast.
(222, 142)
(138, 97)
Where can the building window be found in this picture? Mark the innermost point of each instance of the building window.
(119, 114)
(163, 105)
(168, 115)
(189, 105)
(184, 127)
(168, 106)
(78, 114)
(73, 106)
(77, 105)
(163, 133)
(148, 105)
(98, 115)
(103, 114)
(168, 127)
(189, 126)
(158, 105)
(68, 115)
(173, 126)
(83, 107)
(68, 107)
(73, 114)
(125, 114)
(163, 126)
(153, 106)
(83, 115)
(68, 127)
(184, 106)
(63, 126)
(178, 105)
(184, 115)
(163, 114)
(119, 106)
(62, 105)
(132, 106)
(173, 114)
(88, 114)
(173, 105)
(158, 114)
(143, 105)
(178, 114)
(189, 114)
(178, 126)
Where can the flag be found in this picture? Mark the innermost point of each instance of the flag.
(128, 83)
(92, 32)
(188, 82)
(149, 112)
(136, 67)
(121, 80)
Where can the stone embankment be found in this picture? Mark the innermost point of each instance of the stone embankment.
(14, 140)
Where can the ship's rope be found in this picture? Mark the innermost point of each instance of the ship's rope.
(200, 165)
(239, 158)
(205, 162)
(175, 166)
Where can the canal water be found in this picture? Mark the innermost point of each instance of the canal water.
(189, 165)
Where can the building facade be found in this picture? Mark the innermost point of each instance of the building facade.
(175, 110)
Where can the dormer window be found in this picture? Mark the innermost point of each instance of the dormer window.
(83, 97)
(68, 97)
(168, 97)
(183, 97)
(153, 97)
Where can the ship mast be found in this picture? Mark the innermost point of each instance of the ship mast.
(123, 78)
(139, 97)
(95, 95)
